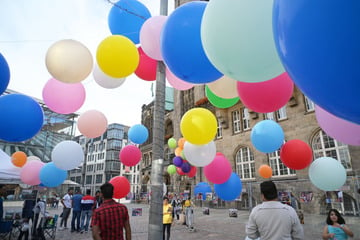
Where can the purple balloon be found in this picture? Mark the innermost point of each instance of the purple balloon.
(177, 161)
(186, 167)
(338, 128)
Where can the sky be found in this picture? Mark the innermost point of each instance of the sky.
(29, 28)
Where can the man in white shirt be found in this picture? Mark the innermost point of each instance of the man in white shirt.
(66, 202)
(39, 208)
(272, 219)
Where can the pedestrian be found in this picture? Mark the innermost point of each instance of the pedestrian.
(167, 217)
(87, 204)
(98, 199)
(66, 202)
(39, 210)
(76, 212)
(272, 219)
(173, 204)
(1, 206)
(336, 228)
(189, 213)
(111, 218)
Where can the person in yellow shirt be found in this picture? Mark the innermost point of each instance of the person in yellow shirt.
(189, 213)
(167, 217)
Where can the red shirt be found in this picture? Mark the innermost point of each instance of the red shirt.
(110, 217)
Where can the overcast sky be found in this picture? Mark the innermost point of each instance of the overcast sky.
(29, 28)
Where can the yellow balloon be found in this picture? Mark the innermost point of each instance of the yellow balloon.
(198, 126)
(117, 56)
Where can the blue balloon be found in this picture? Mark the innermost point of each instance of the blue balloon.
(267, 136)
(4, 74)
(21, 117)
(126, 17)
(185, 167)
(319, 45)
(138, 134)
(230, 189)
(181, 45)
(177, 161)
(203, 188)
(51, 176)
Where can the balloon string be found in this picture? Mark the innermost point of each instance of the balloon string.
(126, 10)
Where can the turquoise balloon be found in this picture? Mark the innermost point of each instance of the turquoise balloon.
(237, 38)
(218, 101)
(327, 174)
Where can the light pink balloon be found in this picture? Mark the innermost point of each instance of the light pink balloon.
(338, 128)
(92, 123)
(130, 155)
(30, 172)
(63, 97)
(176, 82)
(219, 170)
(150, 36)
(268, 96)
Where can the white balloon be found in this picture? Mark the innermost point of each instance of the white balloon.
(32, 158)
(104, 80)
(67, 155)
(200, 155)
(224, 87)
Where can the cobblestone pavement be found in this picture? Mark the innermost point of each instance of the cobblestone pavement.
(217, 225)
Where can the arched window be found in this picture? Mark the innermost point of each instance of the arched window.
(279, 169)
(245, 163)
(325, 146)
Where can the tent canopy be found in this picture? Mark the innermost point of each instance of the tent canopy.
(9, 174)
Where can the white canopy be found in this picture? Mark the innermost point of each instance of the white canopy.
(9, 174)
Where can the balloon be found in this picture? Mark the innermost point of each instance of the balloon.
(185, 167)
(178, 151)
(219, 170)
(200, 155)
(130, 155)
(218, 101)
(63, 98)
(177, 161)
(92, 123)
(265, 171)
(176, 82)
(106, 81)
(323, 62)
(121, 186)
(198, 126)
(150, 33)
(21, 117)
(172, 143)
(267, 136)
(171, 169)
(69, 61)
(192, 172)
(67, 155)
(179, 171)
(340, 129)
(117, 56)
(268, 96)
(126, 17)
(33, 158)
(241, 46)
(203, 188)
(146, 70)
(29, 173)
(138, 134)
(181, 142)
(229, 190)
(327, 174)
(52, 176)
(296, 154)
(224, 87)
(4, 74)
(18, 158)
(181, 46)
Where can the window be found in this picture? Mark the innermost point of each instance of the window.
(219, 129)
(245, 163)
(278, 168)
(89, 179)
(281, 113)
(325, 146)
(245, 118)
(90, 168)
(99, 178)
(309, 105)
(270, 116)
(236, 121)
(99, 166)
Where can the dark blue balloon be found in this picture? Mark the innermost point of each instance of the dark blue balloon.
(51, 176)
(229, 190)
(21, 117)
(203, 188)
(4, 74)
(319, 45)
(138, 134)
(181, 45)
(177, 161)
(126, 18)
(185, 167)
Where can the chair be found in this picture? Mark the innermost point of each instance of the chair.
(50, 226)
(6, 229)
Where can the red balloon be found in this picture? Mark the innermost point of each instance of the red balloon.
(146, 69)
(192, 172)
(121, 186)
(130, 155)
(296, 154)
(179, 171)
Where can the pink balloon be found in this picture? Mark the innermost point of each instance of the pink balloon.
(150, 36)
(219, 170)
(63, 97)
(176, 82)
(146, 69)
(130, 155)
(92, 123)
(30, 172)
(338, 128)
(268, 96)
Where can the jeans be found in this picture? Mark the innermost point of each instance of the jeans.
(189, 215)
(75, 217)
(166, 228)
(87, 214)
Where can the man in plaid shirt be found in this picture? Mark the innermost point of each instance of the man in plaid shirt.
(109, 220)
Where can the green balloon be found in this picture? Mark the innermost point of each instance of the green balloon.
(238, 40)
(172, 143)
(218, 101)
(171, 169)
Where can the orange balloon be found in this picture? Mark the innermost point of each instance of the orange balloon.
(265, 171)
(181, 142)
(18, 158)
(178, 151)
